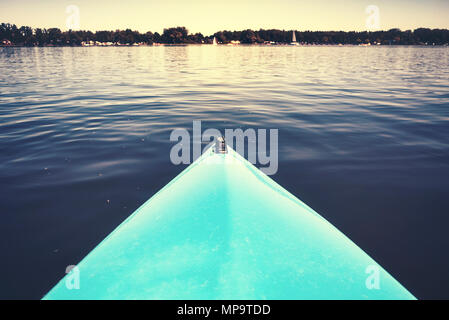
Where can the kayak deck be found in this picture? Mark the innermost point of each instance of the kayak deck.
(222, 229)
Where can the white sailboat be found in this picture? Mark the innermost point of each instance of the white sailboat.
(214, 42)
(294, 43)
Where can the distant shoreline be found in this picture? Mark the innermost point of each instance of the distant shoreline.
(223, 45)
(13, 36)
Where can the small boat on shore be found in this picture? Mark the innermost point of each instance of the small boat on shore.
(222, 229)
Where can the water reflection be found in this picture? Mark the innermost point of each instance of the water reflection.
(363, 139)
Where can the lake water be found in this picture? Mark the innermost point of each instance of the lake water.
(84, 140)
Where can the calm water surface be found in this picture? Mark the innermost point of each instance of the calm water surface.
(84, 140)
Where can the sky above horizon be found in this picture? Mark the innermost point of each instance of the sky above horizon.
(209, 16)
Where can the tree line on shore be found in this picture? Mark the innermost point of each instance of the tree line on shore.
(27, 36)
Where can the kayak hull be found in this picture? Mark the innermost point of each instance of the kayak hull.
(224, 230)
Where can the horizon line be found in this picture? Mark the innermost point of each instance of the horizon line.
(223, 30)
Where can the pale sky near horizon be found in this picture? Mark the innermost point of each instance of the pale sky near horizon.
(209, 16)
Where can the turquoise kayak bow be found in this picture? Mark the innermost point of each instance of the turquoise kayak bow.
(222, 229)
